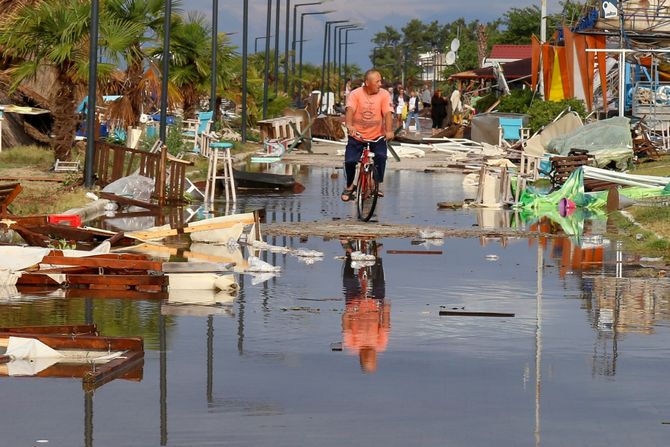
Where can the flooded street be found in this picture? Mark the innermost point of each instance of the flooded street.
(340, 350)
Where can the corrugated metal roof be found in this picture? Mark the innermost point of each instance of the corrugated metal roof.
(511, 52)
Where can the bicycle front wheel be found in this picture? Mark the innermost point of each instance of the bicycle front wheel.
(367, 192)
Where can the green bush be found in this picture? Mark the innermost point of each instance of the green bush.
(542, 113)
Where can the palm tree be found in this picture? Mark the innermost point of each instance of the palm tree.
(190, 44)
(138, 84)
(54, 36)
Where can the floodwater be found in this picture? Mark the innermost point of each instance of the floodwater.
(331, 353)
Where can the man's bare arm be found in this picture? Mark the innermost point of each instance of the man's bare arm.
(349, 120)
(388, 126)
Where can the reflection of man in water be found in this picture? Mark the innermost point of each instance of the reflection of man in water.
(366, 321)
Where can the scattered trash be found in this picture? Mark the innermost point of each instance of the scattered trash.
(639, 236)
(262, 245)
(451, 205)
(359, 256)
(313, 310)
(304, 253)
(431, 234)
(258, 278)
(336, 347)
(258, 265)
(361, 264)
(651, 259)
(491, 257)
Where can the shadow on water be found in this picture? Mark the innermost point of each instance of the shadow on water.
(581, 362)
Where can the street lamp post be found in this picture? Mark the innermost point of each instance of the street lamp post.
(166, 69)
(278, 15)
(337, 54)
(346, 51)
(326, 48)
(302, 20)
(215, 45)
(245, 36)
(266, 72)
(92, 84)
(293, 49)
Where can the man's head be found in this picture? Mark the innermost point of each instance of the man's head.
(373, 81)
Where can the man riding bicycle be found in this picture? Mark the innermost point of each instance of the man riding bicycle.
(368, 117)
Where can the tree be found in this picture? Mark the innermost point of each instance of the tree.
(385, 55)
(521, 24)
(147, 16)
(54, 36)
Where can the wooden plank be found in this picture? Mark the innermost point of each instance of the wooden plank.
(461, 313)
(88, 342)
(73, 329)
(123, 280)
(216, 223)
(36, 279)
(115, 369)
(116, 294)
(128, 201)
(104, 262)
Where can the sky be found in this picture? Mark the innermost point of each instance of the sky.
(372, 14)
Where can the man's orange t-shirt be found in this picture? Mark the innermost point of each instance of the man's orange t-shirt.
(369, 111)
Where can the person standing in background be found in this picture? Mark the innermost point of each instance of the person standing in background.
(413, 112)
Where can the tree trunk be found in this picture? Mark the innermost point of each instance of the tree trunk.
(483, 44)
(65, 120)
(190, 101)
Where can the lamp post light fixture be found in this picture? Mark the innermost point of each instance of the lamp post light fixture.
(337, 54)
(302, 20)
(256, 42)
(266, 71)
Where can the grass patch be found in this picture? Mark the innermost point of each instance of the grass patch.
(636, 239)
(27, 156)
(43, 198)
(653, 218)
(660, 167)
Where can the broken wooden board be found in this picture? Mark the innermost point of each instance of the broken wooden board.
(462, 313)
(215, 223)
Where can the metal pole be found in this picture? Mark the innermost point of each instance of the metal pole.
(166, 70)
(288, 24)
(277, 14)
(323, 63)
(215, 46)
(293, 49)
(92, 91)
(302, 19)
(266, 72)
(245, 37)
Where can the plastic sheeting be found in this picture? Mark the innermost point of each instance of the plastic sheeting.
(568, 123)
(608, 141)
(573, 189)
(134, 186)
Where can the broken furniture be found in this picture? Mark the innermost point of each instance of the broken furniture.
(70, 351)
(563, 167)
(168, 173)
(511, 132)
(220, 151)
(195, 130)
(8, 193)
(113, 274)
(66, 166)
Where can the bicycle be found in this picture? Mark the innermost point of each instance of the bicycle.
(367, 186)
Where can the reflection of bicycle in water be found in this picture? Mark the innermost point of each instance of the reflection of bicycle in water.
(366, 321)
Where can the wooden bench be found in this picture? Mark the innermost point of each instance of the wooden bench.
(66, 166)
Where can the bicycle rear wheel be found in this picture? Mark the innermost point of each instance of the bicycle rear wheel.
(367, 192)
